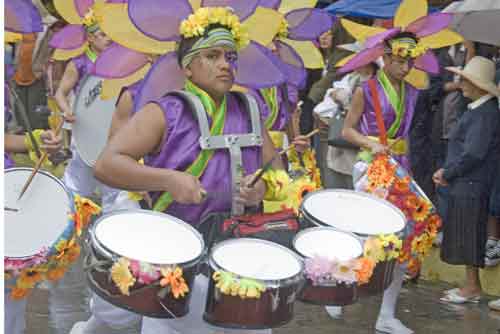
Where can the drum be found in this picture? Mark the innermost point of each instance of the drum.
(144, 262)
(362, 214)
(93, 119)
(335, 248)
(37, 224)
(253, 284)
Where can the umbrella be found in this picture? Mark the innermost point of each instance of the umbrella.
(477, 20)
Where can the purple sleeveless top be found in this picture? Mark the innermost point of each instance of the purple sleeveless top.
(83, 66)
(133, 89)
(283, 113)
(181, 147)
(368, 123)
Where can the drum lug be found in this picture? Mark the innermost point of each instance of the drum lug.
(275, 299)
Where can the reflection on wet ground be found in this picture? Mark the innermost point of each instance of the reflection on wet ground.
(419, 308)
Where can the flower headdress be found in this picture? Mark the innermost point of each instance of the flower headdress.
(430, 33)
(209, 21)
(83, 17)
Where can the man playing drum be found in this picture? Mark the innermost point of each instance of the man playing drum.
(388, 102)
(167, 134)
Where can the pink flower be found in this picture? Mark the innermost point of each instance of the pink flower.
(144, 272)
(318, 269)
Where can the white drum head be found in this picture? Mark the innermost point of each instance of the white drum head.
(257, 259)
(329, 243)
(354, 212)
(42, 216)
(93, 120)
(149, 237)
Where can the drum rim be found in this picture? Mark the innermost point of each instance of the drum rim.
(110, 254)
(86, 78)
(215, 266)
(54, 178)
(325, 228)
(318, 222)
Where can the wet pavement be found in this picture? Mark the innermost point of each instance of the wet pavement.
(419, 308)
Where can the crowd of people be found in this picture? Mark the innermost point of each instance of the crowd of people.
(437, 117)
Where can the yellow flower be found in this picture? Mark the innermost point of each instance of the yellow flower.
(422, 210)
(374, 250)
(121, 276)
(283, 28)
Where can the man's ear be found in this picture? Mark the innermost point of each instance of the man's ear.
(187, 72)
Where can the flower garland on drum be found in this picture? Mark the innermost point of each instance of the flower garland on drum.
(51, 263)
(229, 284)
(388, 180)
(127, 274)
(321, 270)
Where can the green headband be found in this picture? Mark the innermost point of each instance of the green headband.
(215, 37)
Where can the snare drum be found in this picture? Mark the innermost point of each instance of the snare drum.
(331, 245)
(360, 213)
(271, 269)
(93, 120)
(37, 224)
(146, 248)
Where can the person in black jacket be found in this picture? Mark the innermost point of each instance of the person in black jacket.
(469, 169)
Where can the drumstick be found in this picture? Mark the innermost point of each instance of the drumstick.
(38, 165)
(10, 209)
(268, 164)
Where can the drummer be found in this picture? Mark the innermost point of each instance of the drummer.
(167, 135)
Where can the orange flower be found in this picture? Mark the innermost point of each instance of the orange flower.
(68, 252)
(28, 278)
(19, 293)
(365, 270)
(411, 202)
(56, 274)
(422, 210)
(174, 279)
(401, 186)
(381, 173)
(85, 209)
(434, 222)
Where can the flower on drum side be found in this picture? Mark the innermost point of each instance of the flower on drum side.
(374, 250)
(423, 210)
(144, 272)
(121, 276)
(345, 271)
(364, 270)
(318, 269)
(174, 280)
(29, 278)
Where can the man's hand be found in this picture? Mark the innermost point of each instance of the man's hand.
(439, 179)
(51, 142)
(251, 196)
(69, 117)
(185, 188)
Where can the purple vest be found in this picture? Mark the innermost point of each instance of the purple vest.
(283, 112)
(181, 147)
(83, 65)
(368, 123)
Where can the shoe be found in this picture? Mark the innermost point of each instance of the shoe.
(334, 311)
(78, 328)
(455, 298)
(492, 257)
(494, 305)
(392, 326)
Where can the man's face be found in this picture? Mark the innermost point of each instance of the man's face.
(397, 67)
(468, 89)
(325, 40)
(99, 41)
(213, 70)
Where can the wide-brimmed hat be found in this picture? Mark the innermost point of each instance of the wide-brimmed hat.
(481, 72)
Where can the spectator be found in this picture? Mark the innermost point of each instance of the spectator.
(473, 152)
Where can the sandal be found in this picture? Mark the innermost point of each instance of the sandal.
(455, 298)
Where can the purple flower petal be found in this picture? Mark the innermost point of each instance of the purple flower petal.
(380, 37)
(242, 9)
(292, 65)
(363, 58)
(159, 19)
(430, 24)
(164, 76)
(118, 62)
(275, 4)
(70, 37)
(257, 69)
(82, 6)
(308, 23)
(22, 16)
(428, 62)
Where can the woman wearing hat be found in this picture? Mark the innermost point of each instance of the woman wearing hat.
(473, 152)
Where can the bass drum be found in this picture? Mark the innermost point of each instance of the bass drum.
(93, 119)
